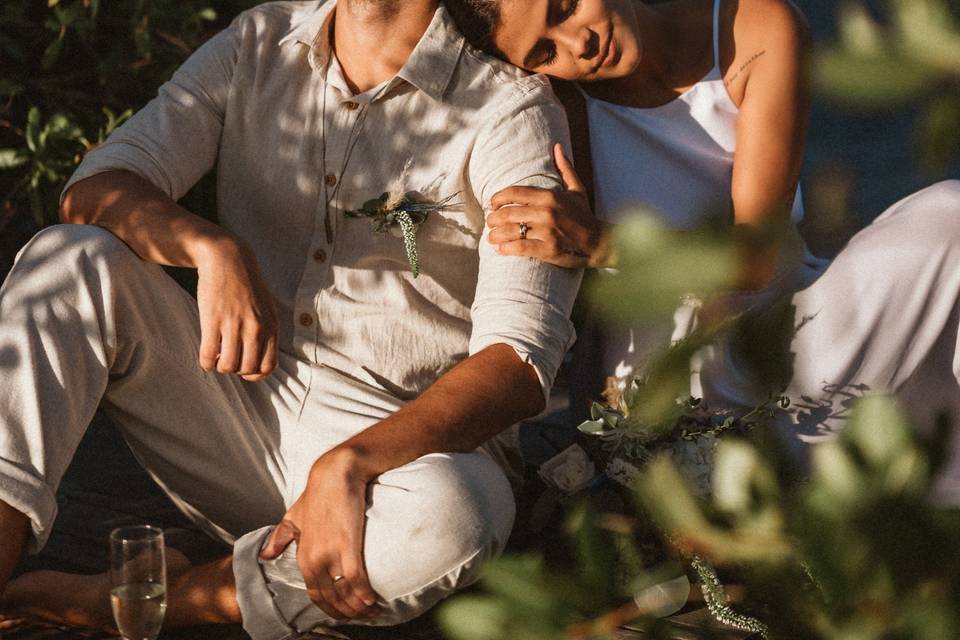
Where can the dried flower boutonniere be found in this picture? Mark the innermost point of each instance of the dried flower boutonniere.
(406, 210)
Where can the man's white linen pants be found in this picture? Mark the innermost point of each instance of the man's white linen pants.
(83, 320)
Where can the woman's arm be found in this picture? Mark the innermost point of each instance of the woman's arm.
(767, 79)
(561, 228)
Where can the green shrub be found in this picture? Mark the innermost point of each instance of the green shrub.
(71, 71)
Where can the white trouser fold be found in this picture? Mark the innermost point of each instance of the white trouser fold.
(83, 319)
(882, 317)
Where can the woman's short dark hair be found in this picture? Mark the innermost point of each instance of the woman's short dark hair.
(477, 21)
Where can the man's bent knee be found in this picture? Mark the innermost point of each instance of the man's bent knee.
(430, 527)
(432, 523)
(66, 240)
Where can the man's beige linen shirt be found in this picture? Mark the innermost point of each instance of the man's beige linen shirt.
(265, 103)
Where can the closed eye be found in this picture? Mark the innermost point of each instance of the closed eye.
(559, 14)
(550, 56)
(543, 53)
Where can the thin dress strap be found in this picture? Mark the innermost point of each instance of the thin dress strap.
(716, 34)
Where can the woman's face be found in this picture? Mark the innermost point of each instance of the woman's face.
(570, 39)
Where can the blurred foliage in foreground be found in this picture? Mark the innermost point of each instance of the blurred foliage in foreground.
(853, 548)
(855, 551)
(71, 71)
(911, 53)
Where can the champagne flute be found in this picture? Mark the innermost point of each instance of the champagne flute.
(138, 575)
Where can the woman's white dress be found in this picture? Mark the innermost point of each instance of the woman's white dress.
(882, 316)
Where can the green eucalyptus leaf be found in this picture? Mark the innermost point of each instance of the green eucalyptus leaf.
(9, 88)
(650, 578)
(746, 489)
(12, 158)
(658, 402)
(838, 481)
(879, 431)
(62, 127)
(475, 618)
(596, 411)
(67, 15)
(938, 134)
(665, 495)
(870, 83)
(52, 53)
(593, 427)
(658, 267)
(928, 32)
(113, 121)
(596, 556)
(560, 598)
(859, 32)
(141, 38)
(882, 439)
(32, 131)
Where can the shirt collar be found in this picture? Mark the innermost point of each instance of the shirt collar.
(429, 68)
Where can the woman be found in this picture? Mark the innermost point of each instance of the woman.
(692, 104)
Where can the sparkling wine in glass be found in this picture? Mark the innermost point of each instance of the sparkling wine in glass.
(138, 574)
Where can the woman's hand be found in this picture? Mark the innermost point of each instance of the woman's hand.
(560, 228)
(238, 321)
(327, 522)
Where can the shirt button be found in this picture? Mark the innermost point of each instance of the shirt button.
(351, 106)
(320, 255)
(330, 179)
(306, 319)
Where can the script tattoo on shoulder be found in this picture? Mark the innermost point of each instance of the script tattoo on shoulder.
(746, 64)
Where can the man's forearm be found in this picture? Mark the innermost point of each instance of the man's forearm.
(146, 219)
(238, 320)
(467, 406)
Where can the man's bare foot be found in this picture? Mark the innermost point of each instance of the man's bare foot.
(76, 600)
(71, 599)
(9, 621)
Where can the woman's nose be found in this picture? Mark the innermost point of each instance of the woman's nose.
(582, 42)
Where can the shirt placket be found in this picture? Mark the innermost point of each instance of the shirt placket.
(337, 117)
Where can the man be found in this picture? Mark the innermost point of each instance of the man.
(337, 396)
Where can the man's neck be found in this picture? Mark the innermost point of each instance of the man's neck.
(374, 38)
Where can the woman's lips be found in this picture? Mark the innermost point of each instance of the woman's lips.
(613, 54)
(608, 53)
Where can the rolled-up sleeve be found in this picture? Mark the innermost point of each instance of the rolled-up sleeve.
(522, 302)
(172, 142)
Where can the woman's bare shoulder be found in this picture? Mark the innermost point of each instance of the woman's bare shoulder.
(772, 34)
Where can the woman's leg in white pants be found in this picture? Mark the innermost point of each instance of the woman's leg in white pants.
(883, 317)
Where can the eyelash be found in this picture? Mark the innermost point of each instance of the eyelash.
(550, 59)
(572, 9)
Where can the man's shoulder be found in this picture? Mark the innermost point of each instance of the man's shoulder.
(280, 17)
(499, 83)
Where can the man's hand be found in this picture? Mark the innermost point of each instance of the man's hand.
(327, 522)
(238, 321)
(561, 227)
